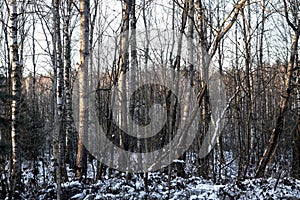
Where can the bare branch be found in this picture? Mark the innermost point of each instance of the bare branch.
(287, 16)
(220, 33)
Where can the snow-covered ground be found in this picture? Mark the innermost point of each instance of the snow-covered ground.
(191, 188)
(160, 186)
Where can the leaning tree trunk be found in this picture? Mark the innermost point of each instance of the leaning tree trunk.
(83, 87)
(16, 96)
(276, 133)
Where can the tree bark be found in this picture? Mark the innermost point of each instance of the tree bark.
(69, 121)
(247, 42)
(60, 90)
(203, 47)
(16, 65)
(296, 152)
(56, 131)
(83, 87)
(171, 102)
(123, 67)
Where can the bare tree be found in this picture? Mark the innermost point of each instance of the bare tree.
(57, 94)
(69, 121)
(83, 87)
(285, 97)
(16, 98)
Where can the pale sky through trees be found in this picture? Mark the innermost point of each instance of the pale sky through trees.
(160, 15)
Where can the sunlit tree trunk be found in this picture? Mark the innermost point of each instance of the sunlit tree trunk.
(16, 98)
(83, 87)
(123, 65)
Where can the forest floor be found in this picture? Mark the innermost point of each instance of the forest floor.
(191, 188)
(160, 186)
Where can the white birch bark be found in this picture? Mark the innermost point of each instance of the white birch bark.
(70, 146)
(123, 65)
(56, 130)
(16, 96)
(83, 87)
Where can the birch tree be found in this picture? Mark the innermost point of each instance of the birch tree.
(83, 87)
(57, 96)
(288, 88)
(69, 121)
(246, 32)
(16, 98)
(123, 67)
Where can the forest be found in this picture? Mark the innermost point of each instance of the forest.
(149, 99)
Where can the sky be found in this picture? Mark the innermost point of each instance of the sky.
(159, 13)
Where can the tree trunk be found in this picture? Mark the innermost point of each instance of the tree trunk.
(60, 89)
(247, 42)
(134, 63)
(146, 67)
(16, 97)
(203, 47)
(296, 138)
(69, 122)
(276, 133)
(92, 78)
(56, 131)
(221, 92)
(296, 152)
(123, 65)
(173, 109)
(83, 87)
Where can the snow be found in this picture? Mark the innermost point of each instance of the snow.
(116, 186)
(190, 188)
(79, 196)
(264, 189)
(178, 161)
